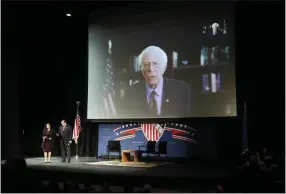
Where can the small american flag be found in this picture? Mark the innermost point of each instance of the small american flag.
(108, 85)
(77, 127)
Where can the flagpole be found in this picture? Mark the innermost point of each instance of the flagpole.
(76, 142)
(244, 129)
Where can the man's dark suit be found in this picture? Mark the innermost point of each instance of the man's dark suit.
(176, 100)
(65, 138)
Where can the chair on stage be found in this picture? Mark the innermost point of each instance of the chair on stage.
(113, 146)
(162, 148)
(149, 149)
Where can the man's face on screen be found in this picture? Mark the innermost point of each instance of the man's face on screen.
(153, 68)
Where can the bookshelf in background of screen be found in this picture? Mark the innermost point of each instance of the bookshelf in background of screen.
(215, 59)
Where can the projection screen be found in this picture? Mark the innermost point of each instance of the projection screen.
(177, 63)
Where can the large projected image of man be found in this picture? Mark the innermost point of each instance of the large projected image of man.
(157, 96)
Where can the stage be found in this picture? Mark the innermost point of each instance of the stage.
(166, 173)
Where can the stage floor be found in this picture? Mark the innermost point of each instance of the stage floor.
(171, 170)
(173, 175)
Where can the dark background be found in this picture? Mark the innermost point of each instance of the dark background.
(44, 72)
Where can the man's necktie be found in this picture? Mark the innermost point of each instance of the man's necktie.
(153, 104)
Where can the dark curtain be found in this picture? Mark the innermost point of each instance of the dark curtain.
(94, 138)
(88, 142)
(81, 143)
(10, 129)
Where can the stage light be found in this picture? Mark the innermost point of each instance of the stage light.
(68, 15)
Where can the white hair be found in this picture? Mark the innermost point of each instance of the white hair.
(153, 49)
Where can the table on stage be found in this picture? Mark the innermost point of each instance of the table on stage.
(126, 155)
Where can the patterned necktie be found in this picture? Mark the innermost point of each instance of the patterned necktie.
(153, 104)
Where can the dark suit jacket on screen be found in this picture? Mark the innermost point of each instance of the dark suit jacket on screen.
(176, 100)
(66, 135)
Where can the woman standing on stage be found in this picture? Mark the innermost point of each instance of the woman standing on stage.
(47, 143)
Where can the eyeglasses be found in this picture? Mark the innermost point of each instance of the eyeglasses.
(155, 65)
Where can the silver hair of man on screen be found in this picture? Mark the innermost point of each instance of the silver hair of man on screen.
(153, 49)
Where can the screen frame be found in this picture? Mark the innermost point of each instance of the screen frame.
(121, 29)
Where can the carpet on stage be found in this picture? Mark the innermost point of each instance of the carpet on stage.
(130, 164)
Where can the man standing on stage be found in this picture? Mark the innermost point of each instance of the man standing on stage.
(65, 133)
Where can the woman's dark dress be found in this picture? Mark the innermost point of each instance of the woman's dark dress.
(47, 144)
